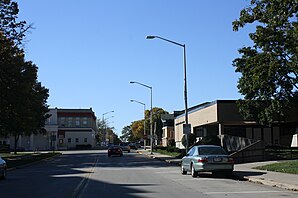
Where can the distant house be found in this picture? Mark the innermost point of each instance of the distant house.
(64, 129)
(222, 118)
(168, 133)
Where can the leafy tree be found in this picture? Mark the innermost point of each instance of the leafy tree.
(156, 119)
(269, 68)
(137, 128)
(126, 134)
(105, 131)
(23, 105)
(191, 139)
(9, 26)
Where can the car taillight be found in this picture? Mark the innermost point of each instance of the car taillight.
(203, 160)
(231, 160)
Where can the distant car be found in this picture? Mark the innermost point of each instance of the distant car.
(207, 158)
(115, 150)
(2, 168)
(139, 145)
(133, 145)
(125, 146)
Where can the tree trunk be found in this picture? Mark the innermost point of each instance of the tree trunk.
(16, 139)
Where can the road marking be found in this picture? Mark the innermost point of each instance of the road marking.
(240, 192)
(84, 182)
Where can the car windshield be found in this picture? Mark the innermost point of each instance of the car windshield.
(211, 151)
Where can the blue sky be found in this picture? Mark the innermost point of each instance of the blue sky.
(88, 52)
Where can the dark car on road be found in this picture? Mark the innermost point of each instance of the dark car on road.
(133, 145)
(2, 169)
(115, 150)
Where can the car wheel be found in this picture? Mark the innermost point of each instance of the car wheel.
(128, 151)
(183, 171)
(194, 173)
(229, 173)
(3, 176)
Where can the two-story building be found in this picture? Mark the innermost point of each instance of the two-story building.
(76, 128)
(64, 129)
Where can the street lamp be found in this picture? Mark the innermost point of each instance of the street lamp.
(151, 136)
(144, 120)
(103, 123)
(186, 127)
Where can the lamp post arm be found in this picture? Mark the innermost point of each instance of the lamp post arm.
(142, 84)
(151, 37)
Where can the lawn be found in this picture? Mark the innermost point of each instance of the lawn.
(22, 158)
(283, 167)
(165, 152)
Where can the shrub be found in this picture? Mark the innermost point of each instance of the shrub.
(210, 140)
(191, 140)
(171, 142)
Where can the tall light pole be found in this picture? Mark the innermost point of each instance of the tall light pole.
(186, 127)
(103, 127)
(151, 135)
(144, 120)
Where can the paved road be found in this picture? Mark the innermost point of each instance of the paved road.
(92, 174)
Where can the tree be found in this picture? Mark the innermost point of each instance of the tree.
(269, 68)
(9, 26)
(137, 128)
(126, 134)
(23, 105)
(191, 139)
(105, 131)
(156, 121)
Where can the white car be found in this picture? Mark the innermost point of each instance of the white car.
(207, 158)
(2, 169)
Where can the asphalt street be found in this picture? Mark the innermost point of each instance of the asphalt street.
(93, 174)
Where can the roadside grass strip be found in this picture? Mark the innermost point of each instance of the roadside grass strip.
(22, 159)
(290, 167)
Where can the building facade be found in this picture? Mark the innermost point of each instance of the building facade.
(222, 118)
(64, 129)
(76, 128)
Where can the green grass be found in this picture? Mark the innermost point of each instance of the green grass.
(165, 152)
(283, 167)
(20, 159)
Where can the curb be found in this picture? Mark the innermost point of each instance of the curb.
(271, 183)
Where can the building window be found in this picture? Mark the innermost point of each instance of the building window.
(69, 140)
(62, 121)
(85, 122)
(77, 140)
(69, 124)
(85, 140)
(78, 122)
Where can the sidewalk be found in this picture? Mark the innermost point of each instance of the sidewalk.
(246, 172)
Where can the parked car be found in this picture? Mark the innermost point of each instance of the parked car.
(125, 146)
(2, 168)
(207, 158)
(115, 150)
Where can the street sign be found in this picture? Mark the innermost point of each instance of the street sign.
(186, 129)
